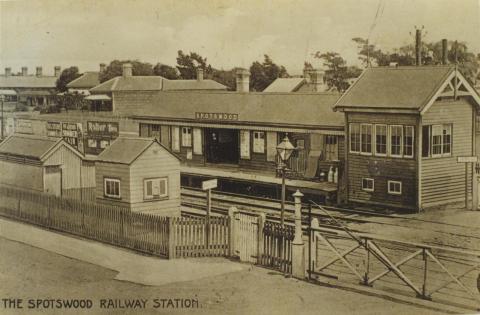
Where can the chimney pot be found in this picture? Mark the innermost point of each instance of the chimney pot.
(8, 71)
(199, 74)
(24, 71)
(444, 51)
(243, 80)
(316, 79)
(102, 67)
(418, 47)
(127, 70)
(39, 71)
(57, 71)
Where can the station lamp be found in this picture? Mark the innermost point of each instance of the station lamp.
(284, 150)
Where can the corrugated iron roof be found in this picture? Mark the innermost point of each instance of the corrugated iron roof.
(391, 87)
(285, 85)
(125, 150)
(176, 85)
(28, 81)
(86, 80)
(27, 145)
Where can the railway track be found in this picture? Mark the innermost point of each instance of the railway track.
(194, 204)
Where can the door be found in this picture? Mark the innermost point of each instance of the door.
(53, 180)
(246, 244)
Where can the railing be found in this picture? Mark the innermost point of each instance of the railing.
(277, 246)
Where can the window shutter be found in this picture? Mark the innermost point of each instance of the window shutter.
(245, 144)
(197, 141)
(271, 146)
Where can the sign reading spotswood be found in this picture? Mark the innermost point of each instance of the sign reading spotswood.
(216, 116)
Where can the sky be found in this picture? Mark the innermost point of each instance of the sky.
(229, 33)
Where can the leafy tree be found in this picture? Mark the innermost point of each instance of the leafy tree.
(337, 73)
(225, 77)
(187, 65)
(67, 76)
(263, 74)
(114, 69)
(166, 71)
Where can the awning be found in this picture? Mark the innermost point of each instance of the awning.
(8, 92)
(35, 93)
(98, 97)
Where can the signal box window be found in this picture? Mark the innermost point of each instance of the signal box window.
(354, 138)
(381, 140)
(368, 184)
(394, 187)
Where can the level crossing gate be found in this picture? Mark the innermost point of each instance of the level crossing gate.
(246, 231)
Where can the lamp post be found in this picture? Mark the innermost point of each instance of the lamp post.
(284, 150)
(2, 98)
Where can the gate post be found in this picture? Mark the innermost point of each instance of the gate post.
(260, 245)
(231, 231)
(298, 249)
(313, 246)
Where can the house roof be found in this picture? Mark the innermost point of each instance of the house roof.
(35, 92)
(125, 150)
(406, 88)
(285, 85)
(27, 145)
(312, 109)
(86, 80)
(27, 81)
(154, 83)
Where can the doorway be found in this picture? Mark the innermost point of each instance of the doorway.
(222, 145)
(53, 180)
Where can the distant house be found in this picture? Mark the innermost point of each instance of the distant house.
(406, 126)
(32, 90)
(85, 82)
(139, 174)
(45, 164)
(312, 81)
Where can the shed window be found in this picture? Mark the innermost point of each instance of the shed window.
(155, 188)
(186, 137)
(111, 188)
(381, 139)
(368, 184)
(396, 135)
(366, 138)
(176, 139)
(354, 138)
(394, 187)
(259, 142)
(408, 142)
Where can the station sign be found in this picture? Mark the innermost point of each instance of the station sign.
(467, 159)
(216, 116)
(209, 184)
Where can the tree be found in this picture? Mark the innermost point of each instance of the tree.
(263, 74)
(114, 69)
(225, 77)
(166, 71)
(337, 73)
(67, 76)
(187, 65)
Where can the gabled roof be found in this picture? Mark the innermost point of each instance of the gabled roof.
(285, 85)
(126, 150)
(32, 146)
(27, 81)
(404, 88)
(284, 109)
(87, 80)
(154, 83)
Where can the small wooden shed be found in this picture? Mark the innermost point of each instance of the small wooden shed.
(139, 174)
(44, 164)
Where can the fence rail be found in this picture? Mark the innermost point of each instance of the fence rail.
(277, 246)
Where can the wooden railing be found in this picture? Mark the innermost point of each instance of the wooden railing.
(277, 246)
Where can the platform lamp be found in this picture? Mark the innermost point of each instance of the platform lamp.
(2, 99)
(284, 150)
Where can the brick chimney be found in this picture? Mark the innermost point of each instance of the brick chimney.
(316, 79)
(39, 72)
(444, 51)
(418, 47)
(57, 71)
(243, 80)
(199, 74)
(127, 70)
(24, 71)
(102, 67)
(8, 72)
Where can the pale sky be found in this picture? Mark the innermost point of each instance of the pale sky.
(229, 33)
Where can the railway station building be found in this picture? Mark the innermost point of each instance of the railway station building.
(406, 126)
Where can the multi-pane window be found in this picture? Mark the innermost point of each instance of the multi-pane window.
(408, 142)
(111, 187)
(175, 139)
(447, 139)
(186, 136)
(396, 135)
(366, 138)
(354, 137)
(155, 188)
(259, 142)
(437, 140)
(381, 139)
(394, 187)
(368, 184)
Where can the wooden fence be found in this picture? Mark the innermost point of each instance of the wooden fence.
(277, 246)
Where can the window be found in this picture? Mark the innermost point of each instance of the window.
(111, 188)
(368, 184)
(436, 140)
(155, 188)
(259, 142)
(92, 143)
(186, 137)
(366, 138)
(380, 139)
(425, 141)
(447, 139)
(155, 131)
(197, 141)
(245, 144)
(396, 135)
(394, 187)
(176, 139)
(354, 138)
(408, 142)
(104, 143)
